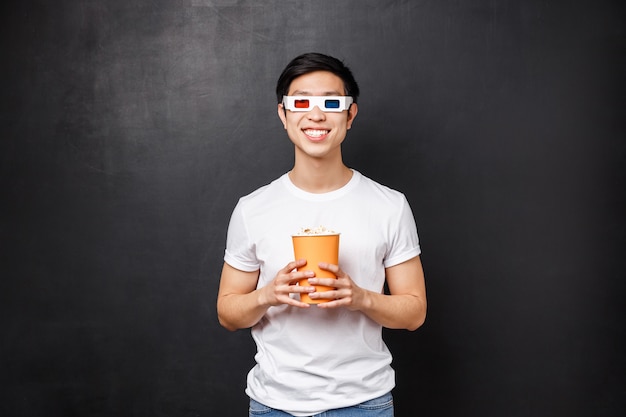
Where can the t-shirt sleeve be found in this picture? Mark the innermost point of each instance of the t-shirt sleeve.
(404, 240)
(240, 252)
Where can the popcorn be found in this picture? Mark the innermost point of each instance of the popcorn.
(319, 230)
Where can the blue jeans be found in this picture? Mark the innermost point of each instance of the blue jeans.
(378, 407)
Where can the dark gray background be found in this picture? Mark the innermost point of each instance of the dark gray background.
(129, 130)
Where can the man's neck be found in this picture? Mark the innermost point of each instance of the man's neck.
(319, 175)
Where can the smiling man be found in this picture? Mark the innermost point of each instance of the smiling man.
(329, 357)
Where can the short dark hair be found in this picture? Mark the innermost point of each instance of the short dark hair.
(311, 62)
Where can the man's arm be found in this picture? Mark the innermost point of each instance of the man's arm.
(241, 305)
(404, 308)
(237, 300)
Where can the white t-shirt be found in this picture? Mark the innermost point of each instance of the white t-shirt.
(312, 360)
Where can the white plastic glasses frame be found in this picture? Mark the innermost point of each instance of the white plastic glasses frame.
(325, 103)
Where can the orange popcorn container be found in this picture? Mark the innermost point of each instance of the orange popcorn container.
(316, 249)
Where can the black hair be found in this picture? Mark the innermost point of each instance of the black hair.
(311, 62)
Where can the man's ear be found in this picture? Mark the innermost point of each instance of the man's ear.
(352, 111)
(282, 115)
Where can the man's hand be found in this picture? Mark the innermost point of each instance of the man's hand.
(346, 294)
(278, 291)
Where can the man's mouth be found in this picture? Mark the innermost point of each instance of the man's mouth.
(315, 133)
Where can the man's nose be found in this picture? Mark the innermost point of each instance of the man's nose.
(316, 113)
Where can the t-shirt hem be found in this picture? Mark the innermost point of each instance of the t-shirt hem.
(402, 258)
(309, 413)
(239, 265)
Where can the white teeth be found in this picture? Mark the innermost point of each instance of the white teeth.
(315, 133)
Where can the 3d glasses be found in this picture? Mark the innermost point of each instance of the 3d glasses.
(325, 103)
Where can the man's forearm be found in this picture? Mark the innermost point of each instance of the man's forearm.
(402, 311)
(240, 311)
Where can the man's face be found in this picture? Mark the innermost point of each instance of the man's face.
(316, 133)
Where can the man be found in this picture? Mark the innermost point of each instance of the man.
(327, 357)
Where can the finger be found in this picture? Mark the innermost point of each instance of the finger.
(330, 304)
(332, 268)
(293, 265)
(325, 295)
(327, 282)
(299, 289)
(333, 303)
(296, 276)
(292, 302)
